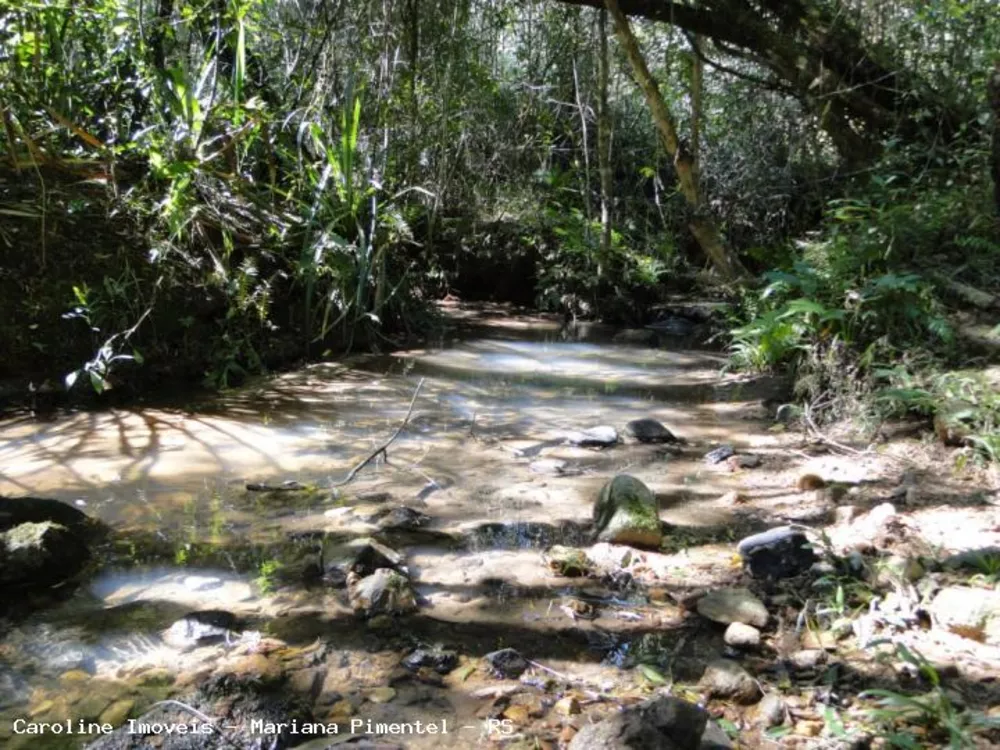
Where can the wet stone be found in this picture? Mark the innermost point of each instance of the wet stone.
(440, 660)
(650, 431)
(507, 663)
(720, 454)
(777, 553)
(200, 629)
(733, 605)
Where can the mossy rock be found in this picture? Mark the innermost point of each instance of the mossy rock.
(626, 512)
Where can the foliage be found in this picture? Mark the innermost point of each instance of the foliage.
(936, 711)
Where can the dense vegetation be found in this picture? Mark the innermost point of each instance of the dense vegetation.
(203, 190)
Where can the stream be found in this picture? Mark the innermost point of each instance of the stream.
(483, 461)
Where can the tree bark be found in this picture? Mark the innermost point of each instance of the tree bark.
(701, 224)
(604, 131)
(993, 95)
(858, 97)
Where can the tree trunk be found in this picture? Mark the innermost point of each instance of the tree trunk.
(993, 95)
(701, 224)
(604, 131)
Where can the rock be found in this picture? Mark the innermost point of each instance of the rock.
(507, 663)
(734, 497)
(715, 738)
(17, 510)
(358, 558)
(726, 679)
(718, 455)
(733, 605)
(14, 689)
(568, 562)
(402, 519)
(117, 712)
(200, 629)
(201, 583)
(626, 512)
(440, 660)
(39, 555)
(602, 436)
(663, 723)
(782, 552)
(807, 658)
(550, 466)
(969, 612)
(237, 707)
(744, 461)
(650, 431)
(385, 591)
(952, 422)
(567, 706)
(770, 712)
(740, 635)
(674, 326)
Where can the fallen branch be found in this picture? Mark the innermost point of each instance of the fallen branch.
(381, 450)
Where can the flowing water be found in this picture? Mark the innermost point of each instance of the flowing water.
(475, 455)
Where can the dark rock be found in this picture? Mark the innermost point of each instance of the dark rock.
(507, 663)
(744, 461)
(602, 436)
(720, 454)
(288, 486)
(626, 512)
(40, 554)
(384, 592)
(726, 679)
(361, 557)
(638, 336)
(17, 510)
(675, 326)
(777, 553)
(440, 660)
(715, 738)
(662, 723)
(200, 628)
(402, 519)
(14, 689)
(650, 431)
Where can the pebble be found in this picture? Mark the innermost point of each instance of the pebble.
(739, 635)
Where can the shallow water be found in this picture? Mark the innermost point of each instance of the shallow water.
(189, 536)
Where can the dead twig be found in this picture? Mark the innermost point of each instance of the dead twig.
(381, 450)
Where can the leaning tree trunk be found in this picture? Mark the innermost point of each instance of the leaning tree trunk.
(701, 224)
(993, 94)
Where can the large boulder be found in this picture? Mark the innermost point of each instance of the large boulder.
(17, 510)
(626, 512)
(40, 554)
